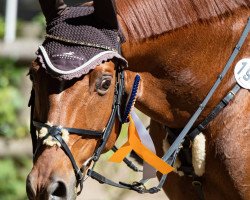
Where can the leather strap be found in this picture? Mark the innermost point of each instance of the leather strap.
(136, 186)
(116, 106)
(101, 179)
(71, 130)
(222, 104)
(79, 175)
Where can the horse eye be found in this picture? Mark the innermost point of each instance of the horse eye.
(104, 85)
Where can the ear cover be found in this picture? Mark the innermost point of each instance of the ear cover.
(105, 11)
(52, 8)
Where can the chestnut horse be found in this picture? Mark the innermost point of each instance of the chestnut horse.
(178, 48)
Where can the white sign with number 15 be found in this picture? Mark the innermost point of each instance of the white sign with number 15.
(242, 73)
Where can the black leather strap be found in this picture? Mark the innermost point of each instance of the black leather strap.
(101, 179)
(71, 130)
(136, 186)
(116, 106)
(222, 104)
(64, 146)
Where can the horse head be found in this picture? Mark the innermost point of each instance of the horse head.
(178, 50)
(77, 88)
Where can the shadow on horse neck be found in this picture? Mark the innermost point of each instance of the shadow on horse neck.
(178, 68)
(178, 50)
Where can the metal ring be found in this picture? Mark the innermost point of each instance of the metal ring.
(196, 183)
(84, 166)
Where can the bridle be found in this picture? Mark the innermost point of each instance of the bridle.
(55, 131)
(171, 154)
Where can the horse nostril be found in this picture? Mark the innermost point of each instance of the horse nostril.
(58, 189)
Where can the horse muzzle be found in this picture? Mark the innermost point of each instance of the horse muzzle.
(55, 187)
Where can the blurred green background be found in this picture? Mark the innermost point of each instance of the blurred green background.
(14, 168)
(15, 144)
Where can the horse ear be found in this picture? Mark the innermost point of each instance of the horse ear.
(105, 10)
(52, 8)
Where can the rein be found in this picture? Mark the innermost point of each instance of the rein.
(171, 154)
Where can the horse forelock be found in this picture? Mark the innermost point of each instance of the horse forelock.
(148, 18)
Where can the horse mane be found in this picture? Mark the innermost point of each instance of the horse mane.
(148, 18)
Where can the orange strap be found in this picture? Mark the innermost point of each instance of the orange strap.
(134, 143)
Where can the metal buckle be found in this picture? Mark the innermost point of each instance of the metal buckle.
(139, 187)
(86, 163)
(196, 183)
(136, 186)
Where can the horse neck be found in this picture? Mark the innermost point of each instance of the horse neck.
(179, 68)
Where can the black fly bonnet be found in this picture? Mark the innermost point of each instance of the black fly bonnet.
(77, 42)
